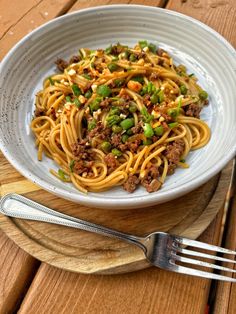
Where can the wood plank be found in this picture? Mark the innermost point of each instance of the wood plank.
(143, 292)
(225, 295)
(17, 267)
(220, 14)
(83, 4)
(17, 271)
(12, 15)
(37, 15)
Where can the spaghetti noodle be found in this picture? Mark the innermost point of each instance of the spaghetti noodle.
(119, 116)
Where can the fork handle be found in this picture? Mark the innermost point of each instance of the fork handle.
(17, 206)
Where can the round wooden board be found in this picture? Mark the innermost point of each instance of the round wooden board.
(84, 252)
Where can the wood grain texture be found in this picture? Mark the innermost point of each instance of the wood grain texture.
(85, 252)
(225, 296)
(17, 271)
(147, 291)
(39, 13)
(218, 14)
(83, 4)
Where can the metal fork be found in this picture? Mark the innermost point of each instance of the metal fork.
(161, 249)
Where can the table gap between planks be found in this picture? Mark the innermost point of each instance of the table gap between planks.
(29, 286)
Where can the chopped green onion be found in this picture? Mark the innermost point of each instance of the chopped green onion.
(159, 130)
(116, 128)
(148, 141)
(129, 132)
(146, 116)
(116, 152)
(114, 58)
(77, 102)
(150, 88)
(161, 96)
(91, 125)
(62, 174)
(138, 78)
(152, 47)
(112, 120)
(124, 138)
(114, 110)
(173, 112)
(143, 91)
(119, 82)
(72, 164)
(154, 98)
(106, 147)
(88, 94)
(203, 95)
(132, 57)
(183, 89)
(179, 105)
(148, 130)
(95, 104)
(51, 80)
(192, 74)
(76, 90)
(132, 107)
(127, 123)
(112, 67)
(108, 50)
(87, 76)
(143, 44)
(124, 55)
(173, 125)
(103, 90)
(68, 99)
(182, 160)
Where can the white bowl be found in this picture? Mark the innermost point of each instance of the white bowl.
(200, 48)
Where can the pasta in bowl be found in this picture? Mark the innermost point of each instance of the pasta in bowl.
(142, 125)
(119, 116)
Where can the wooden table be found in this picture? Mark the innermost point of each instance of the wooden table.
(28, 286)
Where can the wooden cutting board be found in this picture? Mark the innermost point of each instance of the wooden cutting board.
(84, 252)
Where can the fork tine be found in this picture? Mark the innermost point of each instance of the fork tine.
(201, 263)
(203, 245)
(195, 253)
(200, 273)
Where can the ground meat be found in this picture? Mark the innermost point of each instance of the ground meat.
(111, 162)
(116, 140)
(74, 59)
(97, 130)
(193, 110)
(133, 146)
(83, 167)
(105, 103)
(161, 62)
(138, 128)
(82, 150)
(61, 64)
(146, 100)
(131, 184)
(150, 181)
(171, 168)
(174, 151)
(39, 112)
(122, 147)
